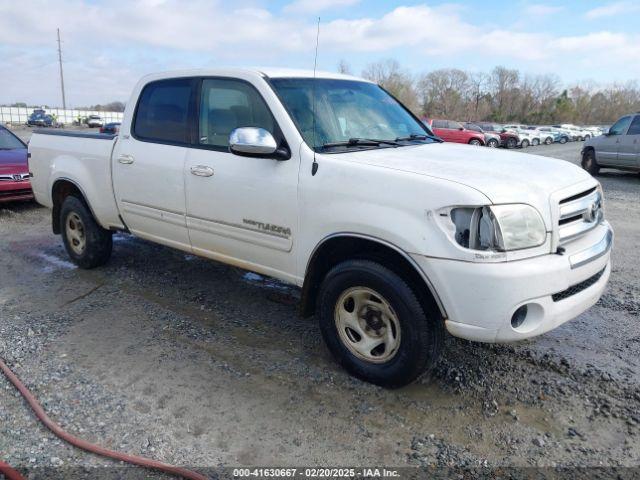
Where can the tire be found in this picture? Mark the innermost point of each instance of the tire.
(475, 142)
(418, 334)
(87, 243)
(525, 143)
(511, 142)
(492, 143)
(587, 137)
(563, 140)
(535, 142)
(548, 141)
(589, 162)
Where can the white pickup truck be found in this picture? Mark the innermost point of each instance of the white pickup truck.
(329, 183)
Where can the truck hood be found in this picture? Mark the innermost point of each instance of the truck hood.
(502, 176)
(13, 161)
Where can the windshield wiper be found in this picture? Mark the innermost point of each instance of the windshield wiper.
(361, 142)
(418, 136)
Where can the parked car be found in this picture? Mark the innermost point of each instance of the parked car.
(547, 137)
(94, 121)
(451, 131)
(559, 136)
(491, 139)
(528, 136)
(577, 133)
(393, 235)
(39, 118)
(618, 148)
(110, 128)
(508, 139)
(14, 169)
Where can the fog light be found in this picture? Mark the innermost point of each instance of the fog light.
(518, 317)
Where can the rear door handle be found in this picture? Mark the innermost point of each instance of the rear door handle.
(126, 159)
(202, 171)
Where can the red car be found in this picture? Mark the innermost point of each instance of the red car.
(451, 131)
(14, 169)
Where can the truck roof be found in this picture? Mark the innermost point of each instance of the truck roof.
(271, 72)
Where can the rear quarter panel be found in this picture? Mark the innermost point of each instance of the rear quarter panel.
(86, 162)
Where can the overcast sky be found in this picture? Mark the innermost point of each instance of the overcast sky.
(108, 45)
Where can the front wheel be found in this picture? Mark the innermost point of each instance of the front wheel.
(535, 142)
(524, 144)
(87, 243)
(512, 142)
(589, 162)
(374, 325)
(548, 141)
(492, 143)
(475, 142)
(563, 140)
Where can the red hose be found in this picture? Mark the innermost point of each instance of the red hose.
(12, 474)
(9, 473)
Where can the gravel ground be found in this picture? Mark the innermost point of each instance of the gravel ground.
(200, 364)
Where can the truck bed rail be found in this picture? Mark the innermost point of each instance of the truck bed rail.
(75, 133)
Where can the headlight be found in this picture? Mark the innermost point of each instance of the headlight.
(499, 227)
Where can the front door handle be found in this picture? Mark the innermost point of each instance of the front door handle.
(126, 159)
(201, 171)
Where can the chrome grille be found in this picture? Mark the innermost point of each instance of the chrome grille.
(14, 177)
(579, 214)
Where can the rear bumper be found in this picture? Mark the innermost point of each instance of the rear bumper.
(11, 191)
(481, 298)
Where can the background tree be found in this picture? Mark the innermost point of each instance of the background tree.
(394, 79)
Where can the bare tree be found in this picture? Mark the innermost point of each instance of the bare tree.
(503, 95)
(344, 67)
(393, 78)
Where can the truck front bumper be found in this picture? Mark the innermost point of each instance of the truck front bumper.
(480, 299)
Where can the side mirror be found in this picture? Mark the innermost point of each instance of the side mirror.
(252, 141)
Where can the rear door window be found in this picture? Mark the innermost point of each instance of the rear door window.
(162, 114)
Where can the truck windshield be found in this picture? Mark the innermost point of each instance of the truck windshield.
(349, 114)
(8, 141)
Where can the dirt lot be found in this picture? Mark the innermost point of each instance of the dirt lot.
(192, 362)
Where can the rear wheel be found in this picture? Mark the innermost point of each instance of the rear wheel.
(589, 162)
(375, 326)
(548, 141)
(563, 140)
(512, 142)
(535, 142)
(525, 143)
(87, 243)
(475, 142)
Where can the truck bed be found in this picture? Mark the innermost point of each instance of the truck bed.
(83, 159)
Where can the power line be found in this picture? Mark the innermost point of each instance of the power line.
(64, 101)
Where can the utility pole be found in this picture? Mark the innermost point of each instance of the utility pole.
(64, 101)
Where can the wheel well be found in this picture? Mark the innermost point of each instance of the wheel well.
(61, 190)
(339, 249)
(587, 150)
